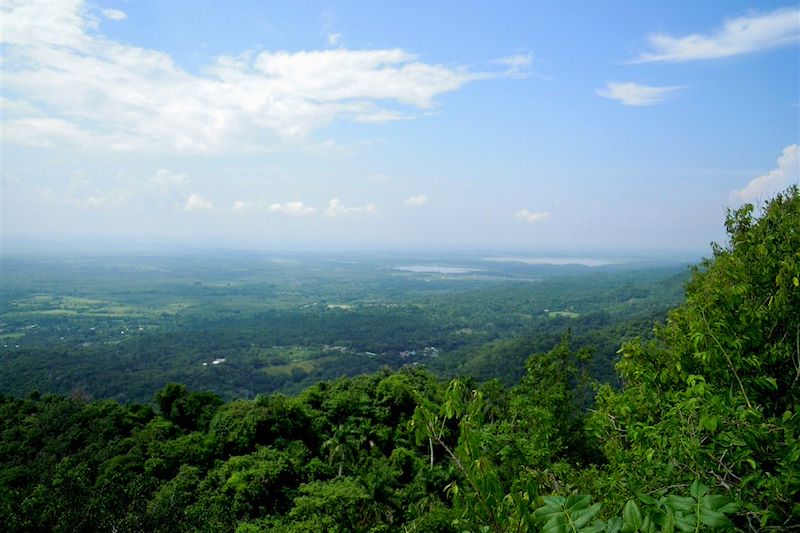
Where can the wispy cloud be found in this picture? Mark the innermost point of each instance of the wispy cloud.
(518, 65)
(335, 209)
(635, 94)
(766, 185)
(416, 200)
(741, 35)
(114, 14)
(530, 217)
(334, 38)
(128, 98)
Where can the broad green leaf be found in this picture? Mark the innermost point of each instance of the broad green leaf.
(698, 490)
(730, 507)
(669, 524)
(713, 518)
(598, 526)
(632, 515)
(554, 501)
(557, 524)
(685, 523)
(714, 501)
(645, 499)
(577, 502)
(545, 513)
(586, 515)
(680, 503)
(614, 525)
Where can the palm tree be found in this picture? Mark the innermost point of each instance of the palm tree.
(343, 446)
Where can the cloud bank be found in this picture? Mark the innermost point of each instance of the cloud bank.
(127, 98)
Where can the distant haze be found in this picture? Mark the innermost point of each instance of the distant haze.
(585, 261)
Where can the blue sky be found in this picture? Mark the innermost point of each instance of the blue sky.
(569, 126)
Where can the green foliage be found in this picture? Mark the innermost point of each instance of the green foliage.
(700, 511)
(717, 394)
(342, 460)
(189, 410)
(569, 515)
(484, 504)
(701, 436)
(340, 505)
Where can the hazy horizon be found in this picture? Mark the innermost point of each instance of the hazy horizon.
(13, 247)
(336, 126)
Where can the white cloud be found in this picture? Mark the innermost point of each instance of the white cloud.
(127, 98)
(635, 94)
(164, 178)
(291, 208)
(335, 209)
(296, 208)
(740, 35)
(519, 65)
(766, 185)
(334, 38)
(530, 217)
(195, 202)
(416, 200)
(114, 14)
(517, 61)
(240, 206)
(16, 107)
(45, 131)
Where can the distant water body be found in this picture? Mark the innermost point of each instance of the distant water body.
(559, 261)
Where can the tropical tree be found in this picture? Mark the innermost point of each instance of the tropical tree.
(716, 394)
(343, 446)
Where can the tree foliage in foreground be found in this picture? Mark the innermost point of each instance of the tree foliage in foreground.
(713, 399)
(716, 395)
(703, 434)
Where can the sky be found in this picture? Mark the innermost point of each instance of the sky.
(574, 126)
